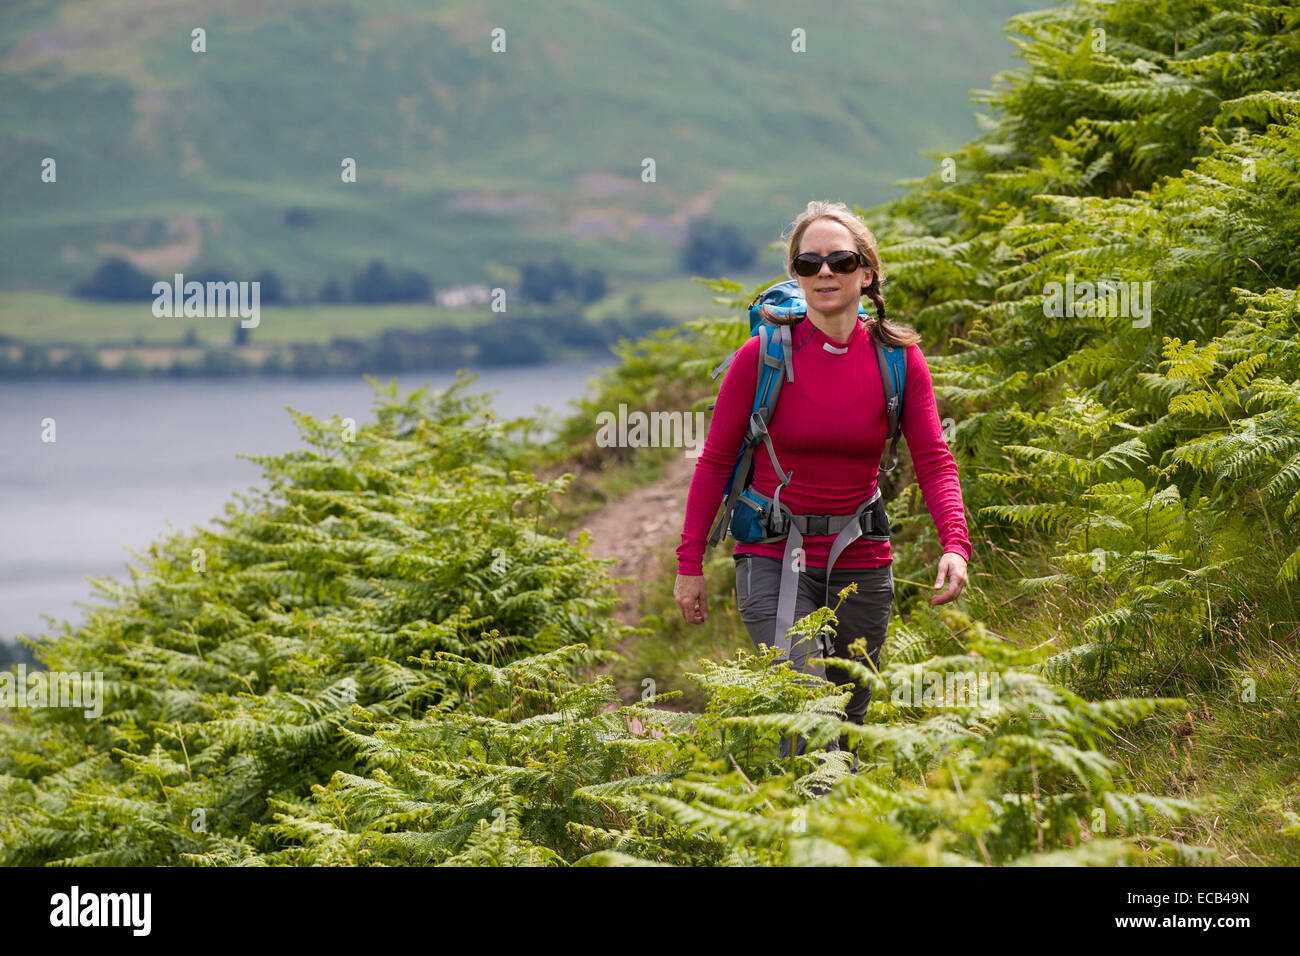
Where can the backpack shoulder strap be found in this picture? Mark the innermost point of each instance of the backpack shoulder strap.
(893, 375)
(774, 367)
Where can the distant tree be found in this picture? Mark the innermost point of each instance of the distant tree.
(116, 279)
(576, 332)
(372, 284)
(36, 359)
(562, 278)
(331, 291)
(273, 364)
(409, 285)
(591, 285)
(535, 283)
(713, 247)
(79, 362)
(271, 290)
(509, 343)
(310, 358)
(377, 284)
(241, 335)
(546, 282)
(388, 353)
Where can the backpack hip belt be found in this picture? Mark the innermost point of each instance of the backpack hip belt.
(792, 527)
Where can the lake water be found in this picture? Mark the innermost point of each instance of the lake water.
(133, 458)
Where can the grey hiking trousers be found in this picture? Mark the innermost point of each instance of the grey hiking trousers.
(865, 614)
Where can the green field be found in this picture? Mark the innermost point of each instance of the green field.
(47, 318)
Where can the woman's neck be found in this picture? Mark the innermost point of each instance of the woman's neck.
(835, 325)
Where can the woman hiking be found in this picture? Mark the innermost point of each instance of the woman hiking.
(828, 434)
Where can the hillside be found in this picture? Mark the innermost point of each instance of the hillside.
(469, 162)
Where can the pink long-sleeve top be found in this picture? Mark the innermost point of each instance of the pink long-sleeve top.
(830, 430)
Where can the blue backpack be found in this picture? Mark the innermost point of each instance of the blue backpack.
(748, 515)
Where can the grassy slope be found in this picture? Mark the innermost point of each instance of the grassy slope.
(146, 132)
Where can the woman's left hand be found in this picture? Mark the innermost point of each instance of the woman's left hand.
(952, 568)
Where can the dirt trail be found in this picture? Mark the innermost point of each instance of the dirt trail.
(637, 530)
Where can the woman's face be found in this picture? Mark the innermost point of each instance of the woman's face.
(829, 292)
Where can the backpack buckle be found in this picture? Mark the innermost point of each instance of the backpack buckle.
(817, 525)
(777, 523)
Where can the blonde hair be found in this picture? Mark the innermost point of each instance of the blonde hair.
(883, 330)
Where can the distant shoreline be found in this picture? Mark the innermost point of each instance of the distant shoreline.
(61, 363)
(45, 336)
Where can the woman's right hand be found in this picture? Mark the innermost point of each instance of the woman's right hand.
(688, 590)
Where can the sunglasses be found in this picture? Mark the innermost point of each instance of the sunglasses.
(841, 261)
